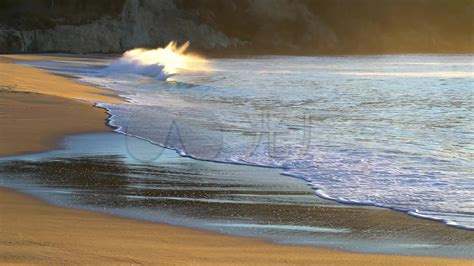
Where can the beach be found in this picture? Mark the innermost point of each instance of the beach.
(33, 232)
(37, 111)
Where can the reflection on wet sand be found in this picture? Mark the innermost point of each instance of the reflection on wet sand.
(228, 198)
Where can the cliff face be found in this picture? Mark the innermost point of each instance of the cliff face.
(243, 26)
(342, 26)
(139, 24)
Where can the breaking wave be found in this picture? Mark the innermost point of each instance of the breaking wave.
(160, 63)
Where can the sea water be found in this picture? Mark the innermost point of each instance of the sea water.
(394, 131)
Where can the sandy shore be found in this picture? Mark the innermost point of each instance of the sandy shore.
(36, 109)
(23, 78)
(33, 232)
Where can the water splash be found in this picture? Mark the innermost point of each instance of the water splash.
(159, 63)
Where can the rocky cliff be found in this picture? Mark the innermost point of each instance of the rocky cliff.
(139, 24)
(243, 26)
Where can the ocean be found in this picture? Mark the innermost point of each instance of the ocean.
(393, 131)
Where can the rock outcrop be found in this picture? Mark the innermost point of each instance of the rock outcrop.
(140, 24)
(240, 26)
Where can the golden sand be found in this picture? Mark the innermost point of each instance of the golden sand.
(37, 109)
(28, 79)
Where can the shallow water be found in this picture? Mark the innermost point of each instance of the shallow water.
(391, 131)
(99, 172)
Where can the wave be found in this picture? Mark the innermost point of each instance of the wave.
(334, 172)
(118, 122)
(127, 65)
(159, 63)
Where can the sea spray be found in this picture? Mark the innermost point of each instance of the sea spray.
(159, 63)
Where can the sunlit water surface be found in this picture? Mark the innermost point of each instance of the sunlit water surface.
(390, 131)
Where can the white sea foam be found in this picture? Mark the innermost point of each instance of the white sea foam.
(159, 63)
(287, 227)
(126, 65)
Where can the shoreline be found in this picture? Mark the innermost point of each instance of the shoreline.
(38, 111)
(21, 91)
(63, 235)
(235, 200)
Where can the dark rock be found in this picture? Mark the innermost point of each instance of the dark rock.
(238, 26)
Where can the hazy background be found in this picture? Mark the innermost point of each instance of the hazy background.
(239, 26)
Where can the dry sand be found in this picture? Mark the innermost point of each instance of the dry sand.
(33, 122)
(37, 109)
(23, 78)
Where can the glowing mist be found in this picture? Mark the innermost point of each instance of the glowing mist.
(160, 63)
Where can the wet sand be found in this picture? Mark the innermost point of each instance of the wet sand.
(124, 176)
(35, 232)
